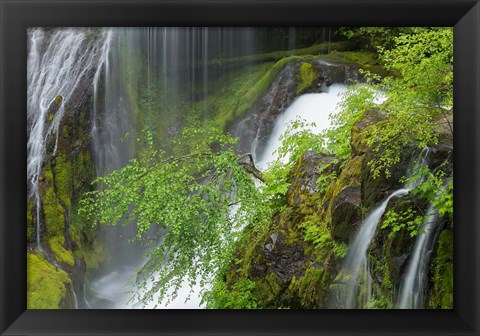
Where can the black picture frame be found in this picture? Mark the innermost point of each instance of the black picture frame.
(17, 15)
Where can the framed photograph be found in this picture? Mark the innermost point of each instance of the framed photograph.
(201, 167)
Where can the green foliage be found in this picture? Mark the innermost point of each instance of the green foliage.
(418, 96)
(406, 219)
(355, 102)
(307, 76)
(317, 232)
(297, 139)
(419, 99)
(46, 284)
(62, 255)
(373, 37)
(198, 198)
(324, 180)
(436, 188)
(240, 296)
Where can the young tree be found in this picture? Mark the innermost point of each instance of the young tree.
(198, 196)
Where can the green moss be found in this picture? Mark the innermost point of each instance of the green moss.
(30, 222)
(93, 255)
(53, 211)
(63, 178)
(349, 176)
(307, 76)
(442, 292)
(357, 56)
(316, 49)
(308, 290)
(62, 255)
(230, 100)
(46, 285)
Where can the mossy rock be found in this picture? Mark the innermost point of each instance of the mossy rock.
(309, 291)
(442, 291)
(63, 179)
(346, 212)
(62, 255)
(47, 285)
(54, 220)
(363, 128)
(31, 222)
(304, 175)
(306, 77)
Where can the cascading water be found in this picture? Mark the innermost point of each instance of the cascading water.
(412, 288)
(414, 282)
(176, 58)
(355, 273)
(354, 283)
(313, 107)
(59, 61)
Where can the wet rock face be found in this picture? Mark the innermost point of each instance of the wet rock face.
(304, 176)
(260, 121)
(277, 99)
(285, 261)
(346, 213)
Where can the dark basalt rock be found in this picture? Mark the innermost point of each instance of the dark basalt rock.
(345, 213)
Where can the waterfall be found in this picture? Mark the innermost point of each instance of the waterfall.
(175, 60)
(59, 62)
(313, 107)
(412, 288)
(355, 271)
(354, 280)
(414, 282)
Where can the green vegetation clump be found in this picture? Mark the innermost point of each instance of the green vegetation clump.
(307, 76)
(232, 100)
(46, 285)
(30, 222)
(53, 211)
(63, 179)
(62, 255)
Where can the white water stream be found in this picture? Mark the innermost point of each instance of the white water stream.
(414, 283)
(412, 288)
(312, 107)
(356, 273)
